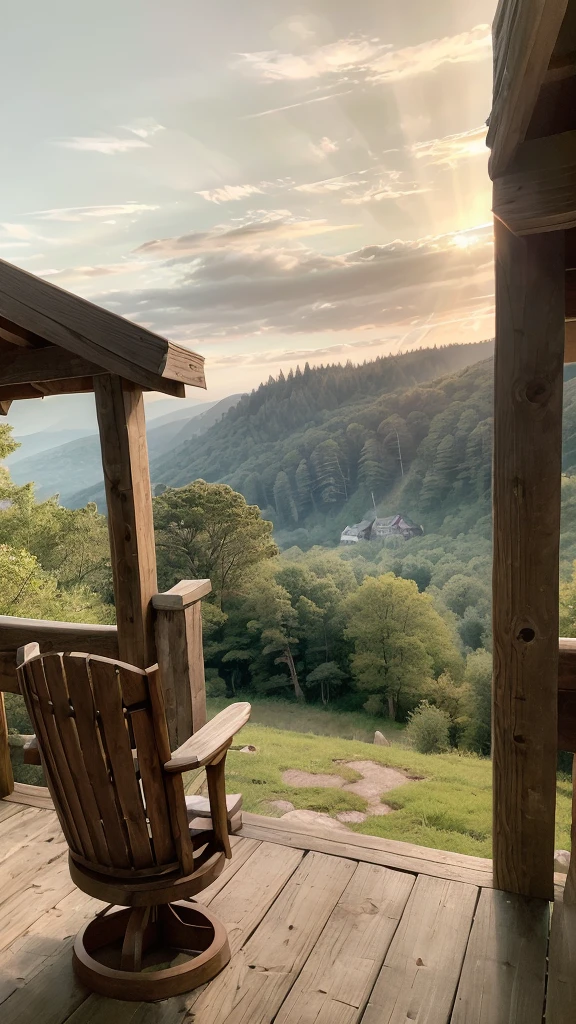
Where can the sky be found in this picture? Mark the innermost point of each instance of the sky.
(265, 183)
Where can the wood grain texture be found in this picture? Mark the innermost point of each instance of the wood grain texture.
(504, 973)
(524, 34)
(338, 977)
(120, 409)
(259, 977)
(526, 528)
(181, 658)
(94, 333)
(182, 594)
(56, 636)
(538, 192)
(561, 996)
(6, 776)
(25, 366)
(369, 849)
(421, 970)
(215, 736)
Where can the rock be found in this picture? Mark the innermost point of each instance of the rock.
(314, 818)
(380, 740)
(561, 861)
(248, 750)
(352, 816)
(295, 777)
(282, 805)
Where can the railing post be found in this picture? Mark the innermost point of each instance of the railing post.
(528, 371)
(181, 657)
(6, 777)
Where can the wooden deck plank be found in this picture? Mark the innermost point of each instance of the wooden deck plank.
(20, 829)
(420, 974)
(25, 866)
(561, 999)
(424, 853)
(8, 809)
(338, 977)
(30, 796)
(347, 847)
(241, 905)
(504, 973)
(51, 936)
(260, 975)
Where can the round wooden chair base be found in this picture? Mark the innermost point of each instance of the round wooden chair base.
(150, 953)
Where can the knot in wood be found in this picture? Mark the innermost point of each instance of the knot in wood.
(537, 391)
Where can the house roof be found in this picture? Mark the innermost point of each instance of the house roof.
(53, 342)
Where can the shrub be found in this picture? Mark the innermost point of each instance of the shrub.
(428, 729)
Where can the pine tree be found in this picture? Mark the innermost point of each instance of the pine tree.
(284, 500)
(374, 472)
(303, 488)
(328, 463)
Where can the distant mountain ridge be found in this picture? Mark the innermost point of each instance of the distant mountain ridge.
(75, 465)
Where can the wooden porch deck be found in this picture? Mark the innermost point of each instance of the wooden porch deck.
(323, 930)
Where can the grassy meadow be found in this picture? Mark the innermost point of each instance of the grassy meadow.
(449, 808)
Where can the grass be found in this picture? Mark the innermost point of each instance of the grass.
(449, 809)
(322, 721)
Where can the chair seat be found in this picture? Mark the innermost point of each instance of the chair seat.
(199, 806)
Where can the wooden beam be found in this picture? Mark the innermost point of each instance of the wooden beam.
(526, 523)
(6, 776)
(19, 392)
(5, 404)
(51, 636)
(115, 344)
(538, 192)
(120, 410)
(570, 301)
(570, 342)
(561, 67)
(524, 37)
(25, 366)
(181, 657)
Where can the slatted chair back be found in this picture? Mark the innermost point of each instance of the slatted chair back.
(103, 739)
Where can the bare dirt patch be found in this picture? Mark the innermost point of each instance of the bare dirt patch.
(294, 777)
(376, 779)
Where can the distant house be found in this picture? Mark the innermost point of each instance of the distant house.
(360, 531)
(376, 529)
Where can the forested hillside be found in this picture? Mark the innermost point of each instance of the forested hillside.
(302, 446)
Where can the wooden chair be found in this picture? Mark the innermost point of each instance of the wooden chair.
(119, 795)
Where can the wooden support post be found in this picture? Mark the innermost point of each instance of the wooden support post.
(526, 503)
(6, 777)
(181, 657)
(120, 409)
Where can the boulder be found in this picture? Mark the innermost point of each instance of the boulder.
(380, 740)
(561, 861)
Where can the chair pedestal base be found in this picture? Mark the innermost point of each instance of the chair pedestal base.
(124, 954)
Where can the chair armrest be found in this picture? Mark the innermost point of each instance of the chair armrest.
(210, 740)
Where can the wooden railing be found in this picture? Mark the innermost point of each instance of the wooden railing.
(178, 636)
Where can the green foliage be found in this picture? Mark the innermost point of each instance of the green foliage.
(208, 531)
(447, 807)
(400, 640)
(428, 729)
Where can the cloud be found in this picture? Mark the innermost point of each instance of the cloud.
(343, 55)
(233, 292)
(452, 149)
(324, 148)
(378, 61)
(144, 127)
(229, 193)
(88, 273)
(75, 214)
(108, 144)
(471, 46)
(364, 186)
(267, 228)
